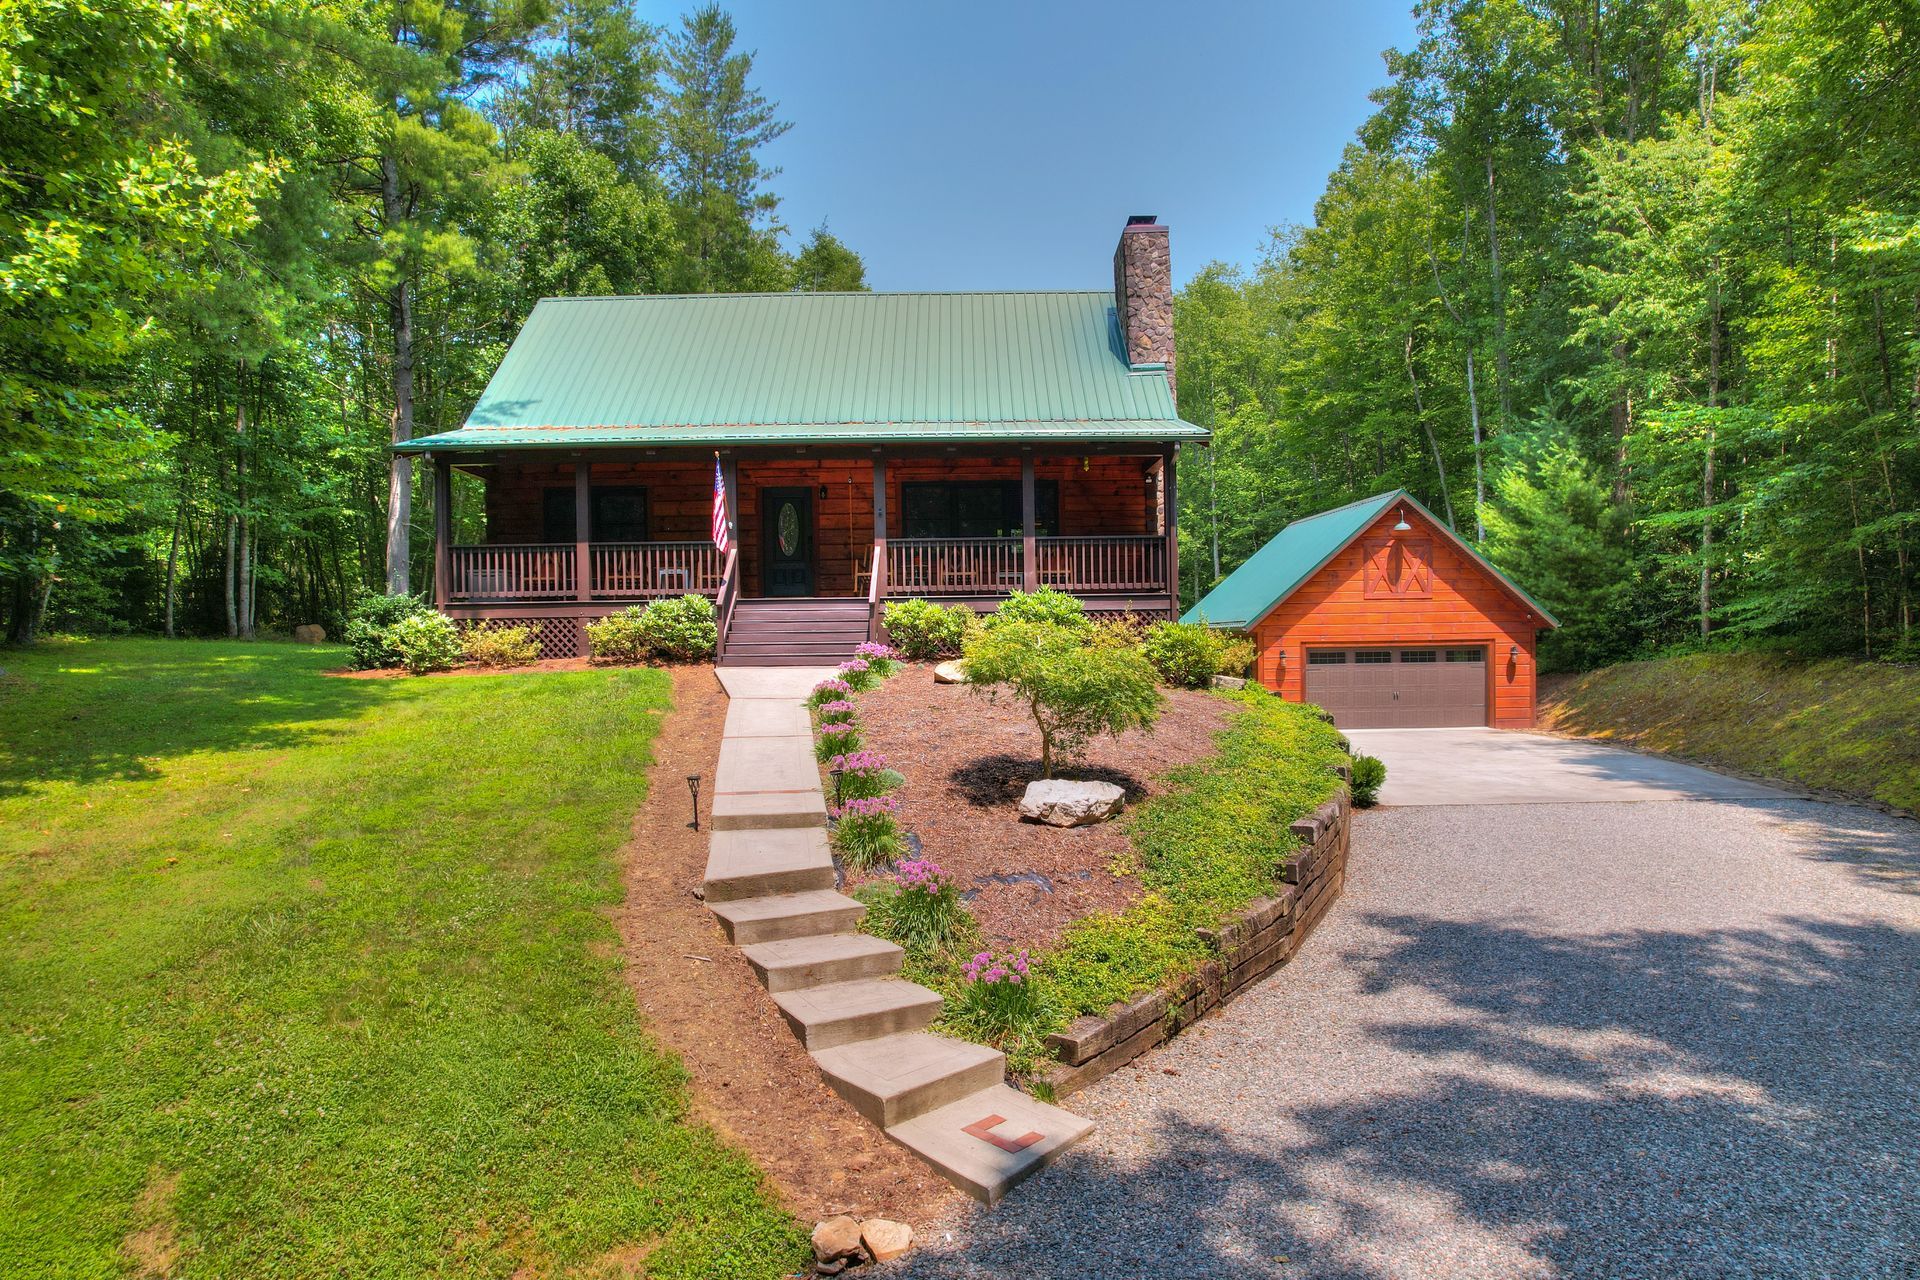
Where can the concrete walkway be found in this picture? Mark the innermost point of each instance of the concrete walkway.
(771, 881)
(1501, 766)
(1661, 1039)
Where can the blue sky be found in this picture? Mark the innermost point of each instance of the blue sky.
(1001, 145)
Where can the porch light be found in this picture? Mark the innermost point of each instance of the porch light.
(1513, 653)
(693, 785)
(1403, 526)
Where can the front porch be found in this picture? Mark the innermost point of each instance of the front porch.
(562, 541)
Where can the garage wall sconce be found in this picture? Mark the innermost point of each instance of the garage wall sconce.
(1513, 653)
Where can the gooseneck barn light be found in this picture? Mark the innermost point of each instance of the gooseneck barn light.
(1403, 526)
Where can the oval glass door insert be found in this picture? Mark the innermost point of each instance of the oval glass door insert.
(788, 525)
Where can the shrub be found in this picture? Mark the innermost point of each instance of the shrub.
(618, 636)
(425, 642)
(1001, 1001)
(1369, 772)
(832, 689)
(882, 659)
(1045, 606)
(866, 832)
(369, 626)
(1074, 691)
(928, 631)
(922, 910)
(839, 711)
(1190, 654)
(858, 674)
(862, 774)
(837, 738)
(681, 629)
(503, 647)
(1236, 659)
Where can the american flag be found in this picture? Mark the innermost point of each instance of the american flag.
(719, 507)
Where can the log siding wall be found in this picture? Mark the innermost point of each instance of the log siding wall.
(1465, 605)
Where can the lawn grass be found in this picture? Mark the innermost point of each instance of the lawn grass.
(306, 976)
(1852, 727)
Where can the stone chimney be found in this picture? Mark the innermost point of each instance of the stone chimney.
(1143, 292)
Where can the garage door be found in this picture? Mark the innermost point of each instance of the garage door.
(1380, 688)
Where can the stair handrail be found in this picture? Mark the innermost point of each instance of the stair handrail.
(729, 592)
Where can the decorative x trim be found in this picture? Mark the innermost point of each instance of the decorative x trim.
(983, 1130)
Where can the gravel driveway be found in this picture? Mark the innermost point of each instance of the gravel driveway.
(1611, 1039)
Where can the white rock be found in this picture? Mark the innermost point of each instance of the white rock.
(954, 672)
(1060, 803)
(885, 1239)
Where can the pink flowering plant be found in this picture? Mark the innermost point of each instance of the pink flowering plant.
(880, 658)
(925, 912)
(1001, 1000)
(861, 774)
(858, 674)
(830, 690)
(837, 738)
(839, 711)
(866, 832)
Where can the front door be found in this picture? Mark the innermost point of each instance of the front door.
(786, 536)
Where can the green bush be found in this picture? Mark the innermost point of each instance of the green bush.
(866, 832)
(1186, 654)
(927, 631)
(426, 642)
(1047, 606)
(1369, 772)
(680, 629)
(1074, 691)
(837, 738)
(1001, 1002)
(503, 646)
(369, 625)
(863, 775)
(921, 910)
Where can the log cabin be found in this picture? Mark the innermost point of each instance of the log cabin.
(870, 447)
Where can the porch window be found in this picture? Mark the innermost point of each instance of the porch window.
(977, 508)
(616, 514)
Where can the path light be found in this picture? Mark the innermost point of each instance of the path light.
(1403, 526)
(835, 775)
(693, 785)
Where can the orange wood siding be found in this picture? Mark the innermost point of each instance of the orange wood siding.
(1466, 606)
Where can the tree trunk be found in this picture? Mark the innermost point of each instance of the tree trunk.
(233, 613)
(400, 319)
(1500, 366)
(1706, 478)
(173, 558)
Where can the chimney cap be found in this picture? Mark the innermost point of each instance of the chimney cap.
(1141, 219)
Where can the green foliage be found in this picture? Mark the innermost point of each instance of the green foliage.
(501, 646)
(824, 265)
(674, 629)
(866, 833)
(920, 909)
(864, 775)
(1045, 606)
(375, 957)
(926, 631)
(426, 641)
(1073, 690)
(1190, 655)
(1369, 772)
(370, 628)
(1002, 1002)
(841, 737)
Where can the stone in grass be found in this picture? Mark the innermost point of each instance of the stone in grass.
(836, 1238)
(886, 1239)
(1060, 803)
(954, 672)
(310, 633)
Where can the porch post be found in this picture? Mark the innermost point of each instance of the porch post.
(729, 478)
(1029, 564)
(879, 526)
(442, 530)
(582, 530)
(1170, 517)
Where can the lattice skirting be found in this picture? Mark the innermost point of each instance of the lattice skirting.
(559, 637)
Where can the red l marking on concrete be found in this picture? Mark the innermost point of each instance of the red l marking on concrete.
(983, 1130)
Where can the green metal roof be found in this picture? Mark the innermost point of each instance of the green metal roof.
(818, 368)
(1302, 549)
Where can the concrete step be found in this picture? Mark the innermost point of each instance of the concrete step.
(966, 1141)
(792, 963)
(838, 1013)
(896, 1078)
(767, 810)
(754, 864)
(765, 764)
(787, 915)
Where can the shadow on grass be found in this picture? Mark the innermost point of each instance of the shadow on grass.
(1735, 1103)
(986, 781)
(93, 711)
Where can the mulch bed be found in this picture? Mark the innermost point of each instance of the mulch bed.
(751, 1079)
(967, 761)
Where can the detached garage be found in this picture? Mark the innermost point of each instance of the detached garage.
(1384, 616)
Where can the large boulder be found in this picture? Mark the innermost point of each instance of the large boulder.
(310, 633)
(1060, 803)
(954, 672)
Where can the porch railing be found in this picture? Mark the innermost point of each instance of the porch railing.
(1137, 563)
(512, 572)
(638, 570)
(952, 566)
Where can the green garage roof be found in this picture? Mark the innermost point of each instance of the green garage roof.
(805, 368)
(1302, 549)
